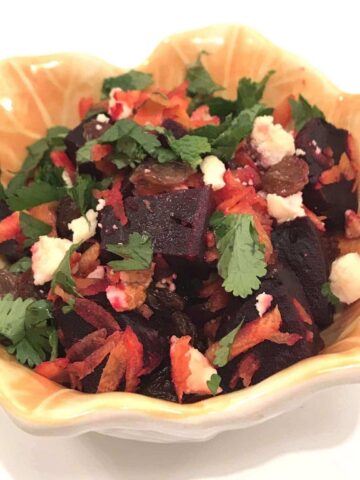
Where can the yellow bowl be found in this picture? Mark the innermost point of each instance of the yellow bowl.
(38, 92)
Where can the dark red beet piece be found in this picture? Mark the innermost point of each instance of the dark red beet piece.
(176, 221)
(4, 210)
(284, 286)
(281, 283)
(332, 201)
(298, 244)
(324, 144)
(66, 212)
(12, 250)
(316, 138)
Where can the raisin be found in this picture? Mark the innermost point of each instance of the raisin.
(286, 177)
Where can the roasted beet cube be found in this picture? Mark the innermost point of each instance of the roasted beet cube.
(323, 145)
(176, 221)
(85, 131)
(288, 295)
(298, 244)
(331, 201)
(66, 212)
(280, 282)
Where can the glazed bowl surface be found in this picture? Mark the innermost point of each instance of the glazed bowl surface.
(39, 92)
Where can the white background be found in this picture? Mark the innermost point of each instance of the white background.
(319, 440)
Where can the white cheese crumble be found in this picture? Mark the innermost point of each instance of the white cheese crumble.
(213, 170)
(345, 278)
(284, 209)
(102, 118)
(271, 141)
(67, 180)
(200, 373)
(299, 152)
(263, 303)
(47, 254)
(100, 205)
(84, 228)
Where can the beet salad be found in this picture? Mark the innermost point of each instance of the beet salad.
(175, 243)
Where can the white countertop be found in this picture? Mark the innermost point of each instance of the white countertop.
(319, 440)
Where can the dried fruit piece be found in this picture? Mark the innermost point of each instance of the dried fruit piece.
(287, 177)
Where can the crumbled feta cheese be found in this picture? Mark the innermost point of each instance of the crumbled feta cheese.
(67, 180)
(200, 372)
(345, 278)
(84, 228)
(271, 141)
(213, 170)
(98, 127)
(284, 209)
(102, 118)
(117, 298)
(263, 303)
(47, 254)
(100, 205)
(299, 152)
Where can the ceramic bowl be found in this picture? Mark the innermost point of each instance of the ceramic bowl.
(38, 92)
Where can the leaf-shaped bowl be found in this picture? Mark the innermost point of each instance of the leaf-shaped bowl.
(38, 92)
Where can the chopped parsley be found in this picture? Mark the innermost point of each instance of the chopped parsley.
(225, 344)
(249, 93)
(302, 111)
(225, 143)
(242, 259)
(33, 228)
(132, 80)
(38, 154)
(188, 148)
(214, 383)
(328, 294)
(137, 253)
(201, 86)
(81, 193)
(22, 265)
(63, 276)
(26, 325)
(35, 194)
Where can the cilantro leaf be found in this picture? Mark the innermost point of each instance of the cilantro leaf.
(249, 93)
(225, 144)
(84, 153)
(200, 81)
(242, 260)
(37, 193)
(81, 193)
(225, 344)
(63, 276)
(302, 112)
(214, 383)
(221, 107)
(25, 323)
(132, 143)
(33, 228)
(38, 152)
(21, 265)
(137, 254)
(328, 294)
(132, 80)
(189, 148)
